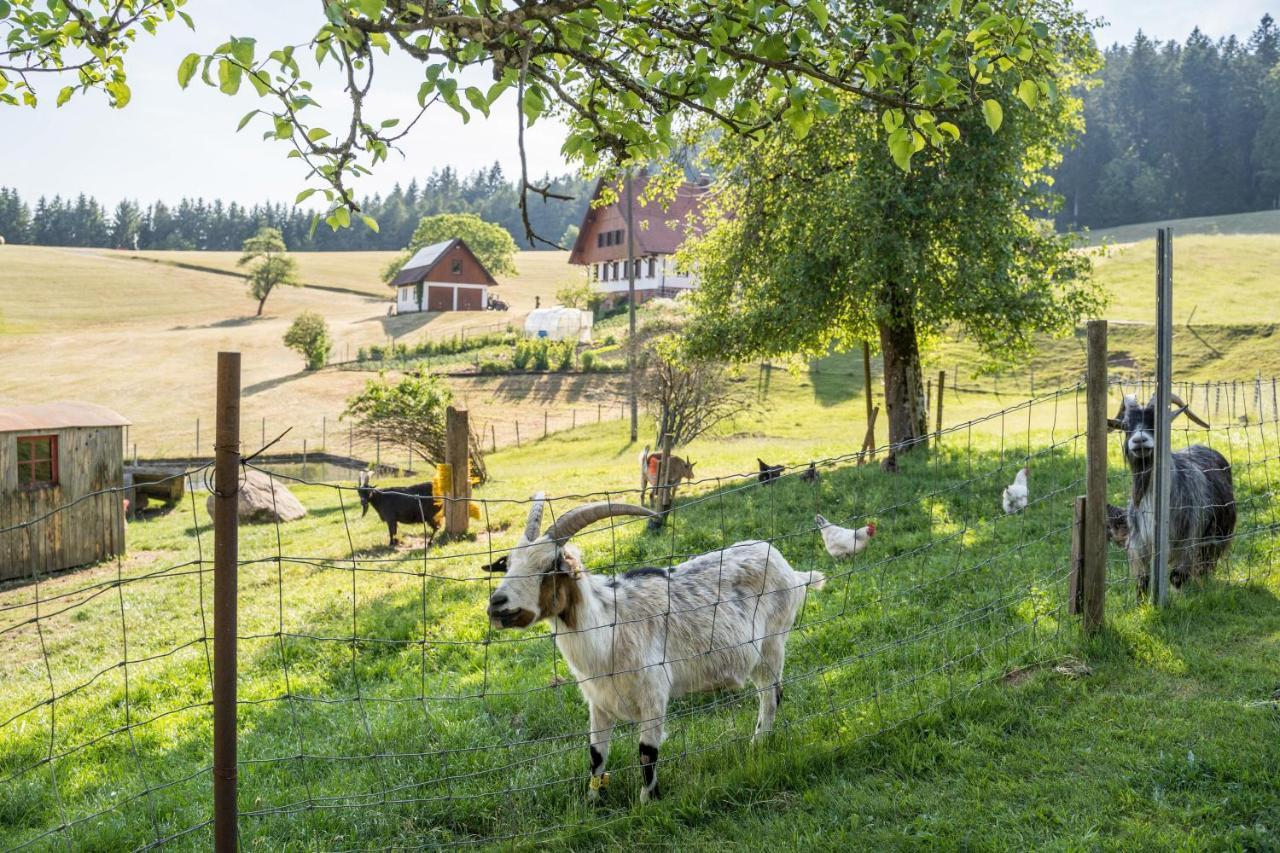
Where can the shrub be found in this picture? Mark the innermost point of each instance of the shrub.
(376, 352)
(562, 356)
(610, 340)
(541, 356)
(410, 412)
(489, 367)
(309, 337)
(362, 354)
(522, 356)
(588, 361)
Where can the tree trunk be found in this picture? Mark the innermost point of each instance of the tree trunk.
(261, 302)
(903, 386)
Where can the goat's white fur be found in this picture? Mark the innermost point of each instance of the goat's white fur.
(634, 642)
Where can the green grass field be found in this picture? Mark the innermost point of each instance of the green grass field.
(936, 693)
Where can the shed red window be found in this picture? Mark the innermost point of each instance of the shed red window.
(37, 460)
(457, 267)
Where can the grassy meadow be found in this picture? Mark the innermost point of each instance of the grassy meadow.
(937, 695)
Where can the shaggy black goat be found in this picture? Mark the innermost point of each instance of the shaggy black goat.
(414, 504)
(1202, 502)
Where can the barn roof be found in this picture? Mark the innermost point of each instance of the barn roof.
(59, 415)
(659, 230)
(425, 259)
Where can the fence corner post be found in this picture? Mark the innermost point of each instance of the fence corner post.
(457, 449)
(1094, 561)
(226, 524)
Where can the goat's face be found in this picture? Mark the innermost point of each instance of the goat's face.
(364, 490)
(1139, 426)
(530, 589)
(543, 571)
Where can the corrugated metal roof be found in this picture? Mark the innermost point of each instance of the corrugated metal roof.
(425, 259)
(60, 415)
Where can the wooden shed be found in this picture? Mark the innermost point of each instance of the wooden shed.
(61, 487)
(444, 276)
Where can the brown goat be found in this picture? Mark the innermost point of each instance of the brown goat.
(651, 468)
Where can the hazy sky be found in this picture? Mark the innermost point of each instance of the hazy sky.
(168, 143)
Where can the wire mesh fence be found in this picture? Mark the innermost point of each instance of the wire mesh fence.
(380, 707)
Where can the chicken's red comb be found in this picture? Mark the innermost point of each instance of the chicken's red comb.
(871, 529)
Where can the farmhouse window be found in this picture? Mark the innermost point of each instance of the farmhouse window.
(615, 270)
(618, 235)
(600, 240)
(457, 266)
(37, 461)
(652, 267)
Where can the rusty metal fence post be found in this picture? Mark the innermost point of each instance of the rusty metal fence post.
(226, 554)
(1094, 560)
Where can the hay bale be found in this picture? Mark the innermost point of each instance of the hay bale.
(258, 504)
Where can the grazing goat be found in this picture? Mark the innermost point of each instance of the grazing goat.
(651, 468)
(408, 505)
(1202, 503)
(636, 641)
(1118, 526)
(811, 474)
(768, 473)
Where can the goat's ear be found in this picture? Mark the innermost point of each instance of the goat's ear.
(498, 566)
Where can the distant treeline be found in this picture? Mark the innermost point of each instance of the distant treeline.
(1173, 130)
(201, 224)
(1177, 130)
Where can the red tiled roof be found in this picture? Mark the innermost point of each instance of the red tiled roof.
(659, 230)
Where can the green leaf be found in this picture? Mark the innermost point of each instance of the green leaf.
(242, 50)
(818, 8)
(342, 217)
(65, 94)
(1029, 93)
(477, 99)
(956, 7)
(370, 222)
(901, 147)
(304, 195)
(949, 129)
(259, 84)
(315, 134)
(247, 118)
(799, 119)
(4, 9)
(228, 77)
(187, 69)
(993, 113)
(372, 8)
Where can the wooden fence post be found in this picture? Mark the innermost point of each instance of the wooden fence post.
(1095, 512)
(493, 438)
(324, 432)
(942, 380)
(517, 433)
(226, 555)
(197, 456)
(544, 423)
(456, 455)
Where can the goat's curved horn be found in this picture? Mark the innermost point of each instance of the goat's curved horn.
(579, 517)
(533, 526)
(1192, 416)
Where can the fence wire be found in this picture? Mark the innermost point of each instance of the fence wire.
(379, 709)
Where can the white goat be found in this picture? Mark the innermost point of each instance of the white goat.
(636, 641)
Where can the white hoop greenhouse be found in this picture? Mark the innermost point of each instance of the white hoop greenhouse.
(558, 323)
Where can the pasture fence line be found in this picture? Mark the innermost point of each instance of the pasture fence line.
(260, 684)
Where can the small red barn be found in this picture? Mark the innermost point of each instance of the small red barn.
(444, 276)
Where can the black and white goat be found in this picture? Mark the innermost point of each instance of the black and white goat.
(1202, 503)
(414, 504)
(638, 640)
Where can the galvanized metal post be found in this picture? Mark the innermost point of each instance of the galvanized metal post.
(866, 387)
(633, 391)
(1164, 374)
(226, 521)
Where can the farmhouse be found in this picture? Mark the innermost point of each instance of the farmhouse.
(601, 246)
(444, 276)
(58, 462)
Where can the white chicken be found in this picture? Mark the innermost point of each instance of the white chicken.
(841, 541)
(1015, 494)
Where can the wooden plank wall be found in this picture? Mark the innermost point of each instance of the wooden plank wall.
(67, 525)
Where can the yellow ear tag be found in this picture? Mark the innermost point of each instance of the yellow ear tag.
(601, 781)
